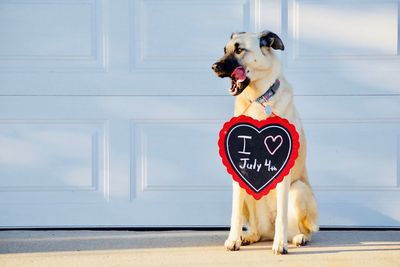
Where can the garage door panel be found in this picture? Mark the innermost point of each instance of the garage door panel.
(353, 142)
(364, 207)
(340, 43)
(353, 155)
(62, 159)
(343, 30)
(41, 36)
(179, 156)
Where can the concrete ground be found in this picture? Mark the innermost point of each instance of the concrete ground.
(191, 248)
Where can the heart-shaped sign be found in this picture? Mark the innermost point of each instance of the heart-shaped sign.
(258, 154)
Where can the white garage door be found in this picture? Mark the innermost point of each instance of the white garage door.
(109, 111)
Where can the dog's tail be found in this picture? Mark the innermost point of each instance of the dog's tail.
(307, 213)
(309, 223)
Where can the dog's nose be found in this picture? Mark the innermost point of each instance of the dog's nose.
(216, 66)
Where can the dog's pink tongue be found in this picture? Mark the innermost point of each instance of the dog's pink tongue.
(239, 74)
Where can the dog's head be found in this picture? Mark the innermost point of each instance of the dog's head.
(247, 56)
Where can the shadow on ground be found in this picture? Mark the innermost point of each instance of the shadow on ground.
(59, 241)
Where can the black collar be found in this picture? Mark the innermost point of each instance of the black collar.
(269, 93)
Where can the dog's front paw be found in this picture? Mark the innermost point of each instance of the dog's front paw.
(280, 247)
(232, 245)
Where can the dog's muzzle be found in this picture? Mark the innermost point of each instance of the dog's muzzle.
(237, 74)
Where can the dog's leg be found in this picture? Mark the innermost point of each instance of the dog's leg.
(234, 241)
(252, 234)
(297, 211)
(280, 245)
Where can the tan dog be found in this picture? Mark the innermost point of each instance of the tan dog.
(289, 212)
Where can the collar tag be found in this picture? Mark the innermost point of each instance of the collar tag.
(268, 109)
(263, 99)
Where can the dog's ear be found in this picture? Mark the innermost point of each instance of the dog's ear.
(270, 39)
(236, 33)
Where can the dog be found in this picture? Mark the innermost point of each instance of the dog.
(289, 212)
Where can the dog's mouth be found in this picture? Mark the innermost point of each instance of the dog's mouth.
(239, 81)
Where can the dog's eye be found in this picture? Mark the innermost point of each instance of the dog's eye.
(224, 50)
(239, 50)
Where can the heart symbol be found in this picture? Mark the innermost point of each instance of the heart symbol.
(272, 151)
(242, 143)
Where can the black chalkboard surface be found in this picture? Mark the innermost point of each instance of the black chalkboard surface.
(258, 154)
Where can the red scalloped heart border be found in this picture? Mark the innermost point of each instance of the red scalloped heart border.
(259, 124)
